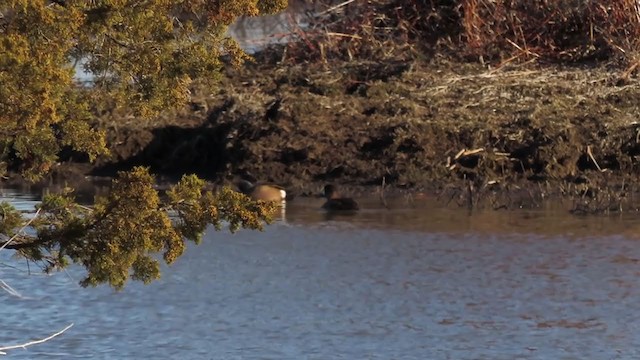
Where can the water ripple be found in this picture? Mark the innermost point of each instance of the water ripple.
(342, 290)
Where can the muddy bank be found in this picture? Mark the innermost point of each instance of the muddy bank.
(460, 130)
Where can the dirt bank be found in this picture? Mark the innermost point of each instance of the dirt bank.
(462, 130)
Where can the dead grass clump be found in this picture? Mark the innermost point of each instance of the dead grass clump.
(562, 30)
(378, 29)
(498, 31)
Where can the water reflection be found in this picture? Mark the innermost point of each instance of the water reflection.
(22, 200)
(400, 213)
(415, 281)
(432, 216)
(252, 33)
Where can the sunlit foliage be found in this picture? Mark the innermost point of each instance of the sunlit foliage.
(144, 56)
(117, 238)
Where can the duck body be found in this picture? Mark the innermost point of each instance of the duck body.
(335, 202)
(264, 192)
(341, 204)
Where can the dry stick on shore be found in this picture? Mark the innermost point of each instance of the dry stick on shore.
(383, 200)
(33, 342)
(590, 153)
(625, 75)
(470, 202)
(333, 8)
(465, 152)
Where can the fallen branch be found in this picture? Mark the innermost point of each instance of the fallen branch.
(34, 342)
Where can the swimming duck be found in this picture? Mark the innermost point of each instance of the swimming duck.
(265, 192)
(336, 202)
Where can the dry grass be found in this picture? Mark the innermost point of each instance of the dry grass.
(559, 30)
(491, 31)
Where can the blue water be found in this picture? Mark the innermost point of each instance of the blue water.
(404, 283)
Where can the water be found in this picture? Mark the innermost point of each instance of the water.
(251, 33)
(413, 282)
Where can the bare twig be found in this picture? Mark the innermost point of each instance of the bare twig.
(33, 342)
(382, 189)
(470, 202)
(335, 7)
(465, 152)
(21, 230)
(337, 34)
(590, 153)
(6, 287)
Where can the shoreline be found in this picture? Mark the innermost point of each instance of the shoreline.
(418, 126)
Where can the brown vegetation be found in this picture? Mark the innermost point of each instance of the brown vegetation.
(387, 93)
(493, 31)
